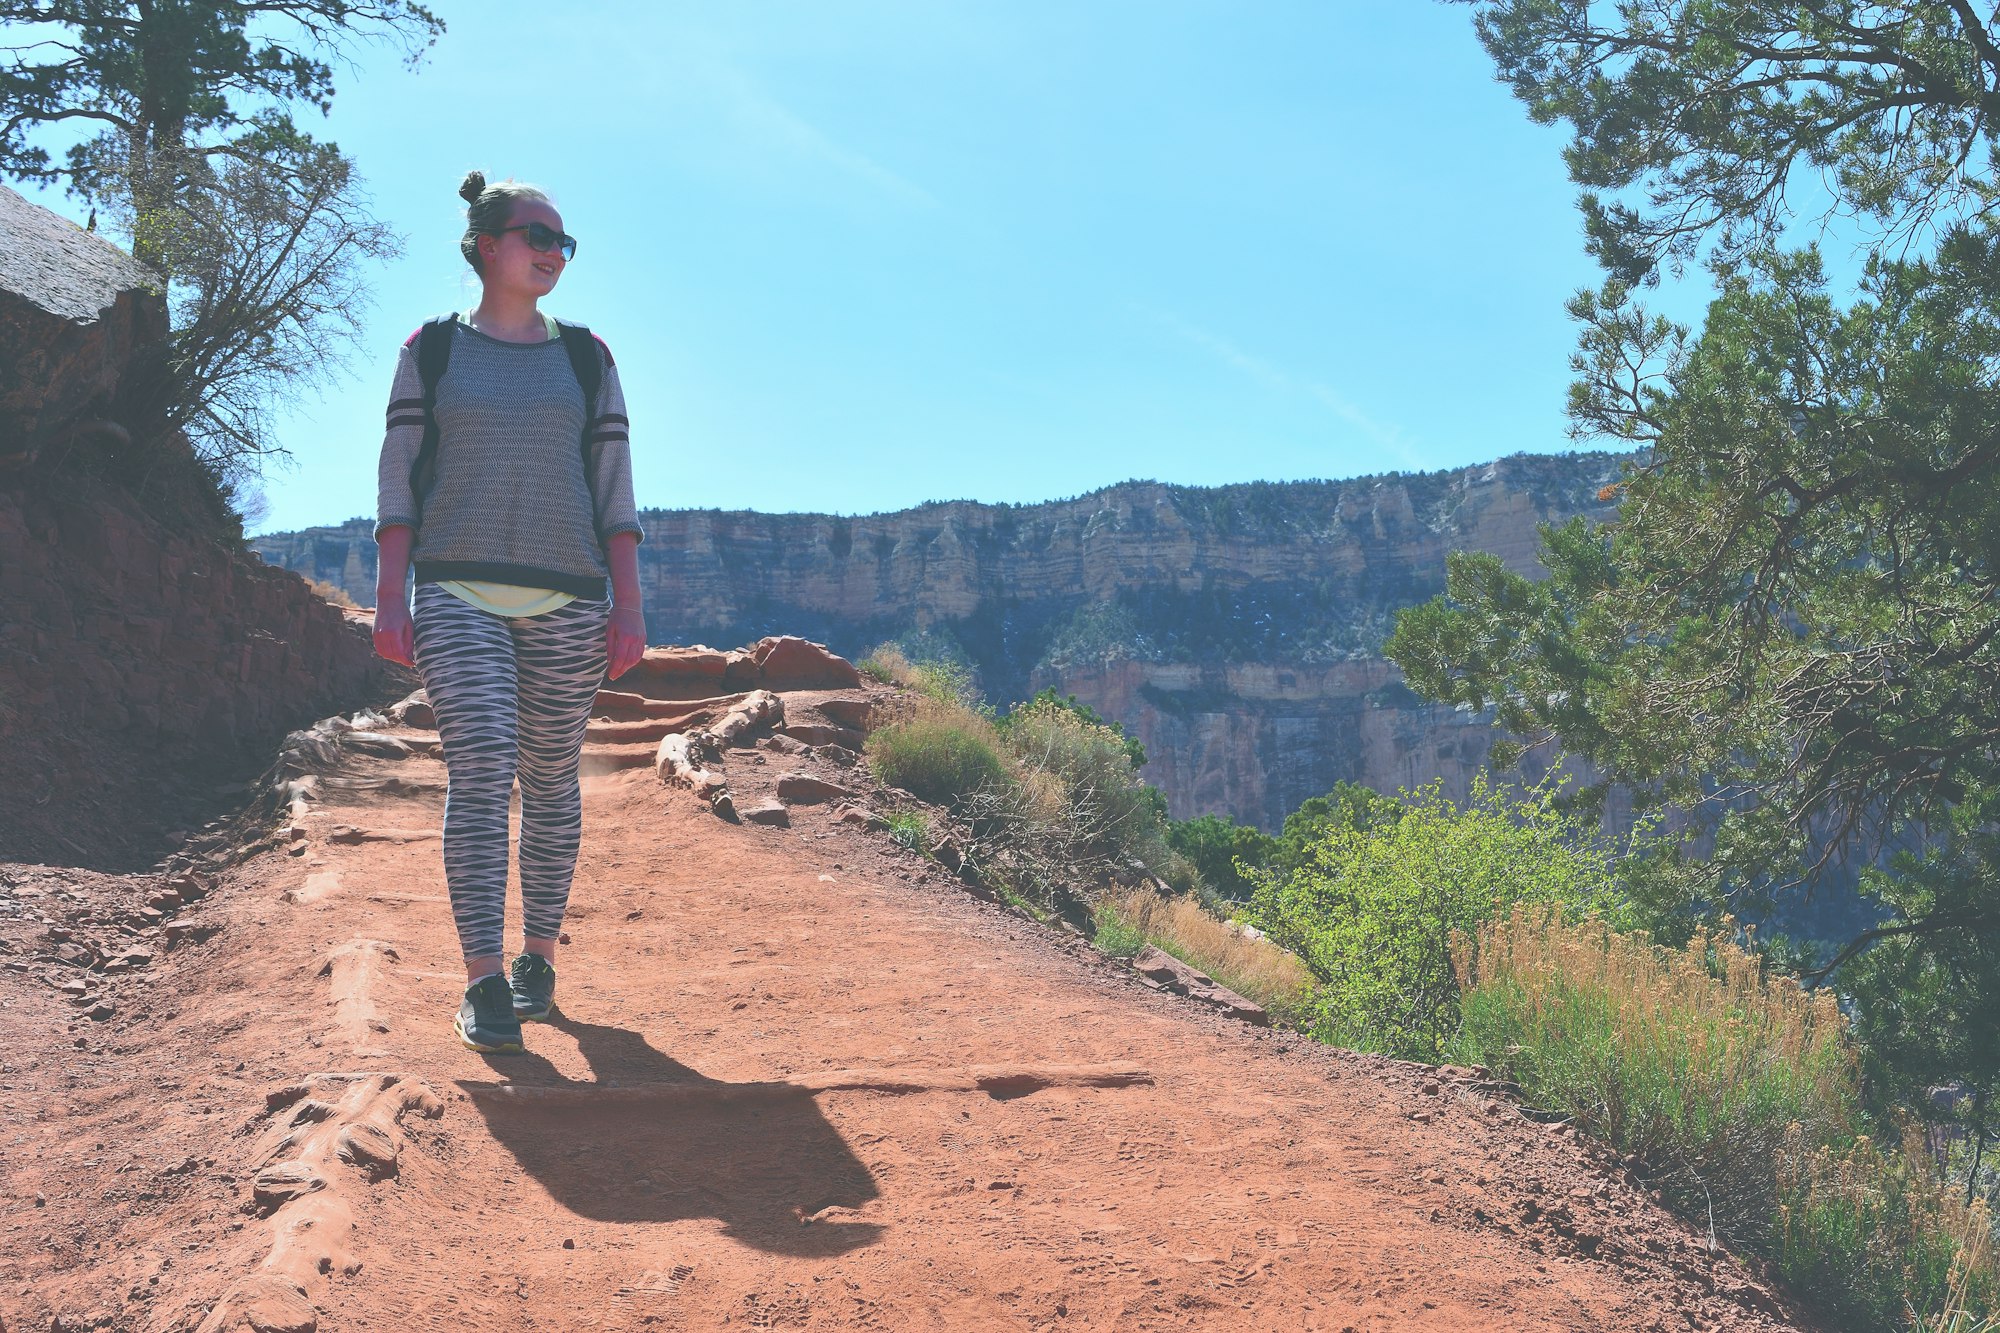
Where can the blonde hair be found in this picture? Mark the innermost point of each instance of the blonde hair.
(488, 207)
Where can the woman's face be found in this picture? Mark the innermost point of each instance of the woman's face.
(512, 265)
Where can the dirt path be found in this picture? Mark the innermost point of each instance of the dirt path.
(802, 1080)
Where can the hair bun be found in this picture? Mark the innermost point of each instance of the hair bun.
(472, 187)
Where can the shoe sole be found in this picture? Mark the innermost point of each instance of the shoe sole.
(523, 1016)
(458, 1026)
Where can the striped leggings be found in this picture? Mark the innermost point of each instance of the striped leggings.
(512, 695)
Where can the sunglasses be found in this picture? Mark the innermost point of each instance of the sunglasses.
(543, 238)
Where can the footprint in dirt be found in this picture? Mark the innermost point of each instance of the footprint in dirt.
(651, 1140)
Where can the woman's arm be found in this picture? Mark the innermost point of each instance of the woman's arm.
(625, 636)
(394, 638)
(610, 466)
(397, 507)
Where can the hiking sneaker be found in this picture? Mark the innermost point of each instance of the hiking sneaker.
(534, 982)
(486, 1020)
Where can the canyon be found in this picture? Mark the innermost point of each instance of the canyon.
(1236, 631)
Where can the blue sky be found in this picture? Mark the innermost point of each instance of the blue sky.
(857, 254)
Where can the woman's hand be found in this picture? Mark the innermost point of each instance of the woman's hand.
(624, 640)
(394, 638)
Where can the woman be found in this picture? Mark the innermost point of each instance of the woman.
(513, 497)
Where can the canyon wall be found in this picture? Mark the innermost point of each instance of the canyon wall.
(142, 663)
(1235, 630)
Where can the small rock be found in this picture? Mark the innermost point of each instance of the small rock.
(99, 1012)
(771, 813)
(856, 713)
(810, 734)
(857, 817)
(804, 789)
(569, 1243)
(415, 712)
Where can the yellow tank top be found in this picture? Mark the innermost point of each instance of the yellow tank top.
(506, 599)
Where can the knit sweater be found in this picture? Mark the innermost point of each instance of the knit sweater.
(513, 500)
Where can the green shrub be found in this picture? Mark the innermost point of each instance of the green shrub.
(908, 828)
(1373, 910)
(1049, 797)
(1135, 753)
(1214, 845)
(939, 753)
(1115, 936)
(1873, 1237)
(1107, 813)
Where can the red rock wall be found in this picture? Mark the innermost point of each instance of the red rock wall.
(139, 669)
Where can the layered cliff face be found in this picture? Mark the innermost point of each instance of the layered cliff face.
(140, 666)
(1236, 630)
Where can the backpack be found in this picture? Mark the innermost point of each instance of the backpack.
(434, 354)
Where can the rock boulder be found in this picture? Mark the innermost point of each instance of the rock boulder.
(76, 316)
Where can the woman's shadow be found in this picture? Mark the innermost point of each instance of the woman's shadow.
(651, 1140)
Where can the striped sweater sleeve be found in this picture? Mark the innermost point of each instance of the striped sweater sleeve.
(611, 459)
(401, 439)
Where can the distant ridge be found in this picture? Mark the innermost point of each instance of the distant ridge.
(1236, 630)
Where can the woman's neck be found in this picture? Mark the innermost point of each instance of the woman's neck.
(513, 319)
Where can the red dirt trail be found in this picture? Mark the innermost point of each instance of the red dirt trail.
(801, 1080)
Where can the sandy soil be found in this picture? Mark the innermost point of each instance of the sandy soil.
(801, 1079)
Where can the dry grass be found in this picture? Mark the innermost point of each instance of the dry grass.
(1250, 965)
(942, 682)
(1879, 1225)
(331, 593)
(1689, 1058)
(1740, 1091)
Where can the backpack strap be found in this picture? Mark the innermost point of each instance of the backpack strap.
(586, 362)
(433, 342)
